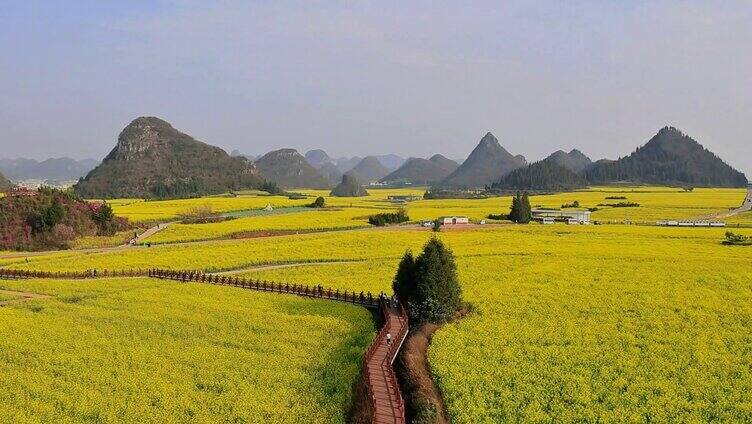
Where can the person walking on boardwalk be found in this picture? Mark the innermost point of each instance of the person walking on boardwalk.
(388, 338)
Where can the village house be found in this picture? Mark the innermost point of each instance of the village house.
(454, 220)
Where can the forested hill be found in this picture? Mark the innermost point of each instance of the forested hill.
(545, 175)
(670, 157)
(289, 169)
(154, 160)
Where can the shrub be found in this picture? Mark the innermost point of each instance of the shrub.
(621, 205)
(382, 219)
(616, 198)
(737, 239)
(320, 202)
(575, 204)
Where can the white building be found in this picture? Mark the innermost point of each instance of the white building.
(454, 220)
(547, 216)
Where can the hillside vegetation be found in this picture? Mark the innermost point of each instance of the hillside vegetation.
(544, 175)
(154, 160)
(4, 183)
(52, 219)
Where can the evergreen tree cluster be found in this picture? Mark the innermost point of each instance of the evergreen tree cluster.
(544, 175)
(521, 212)
(428, 284)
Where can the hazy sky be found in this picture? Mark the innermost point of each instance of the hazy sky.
(413, 78)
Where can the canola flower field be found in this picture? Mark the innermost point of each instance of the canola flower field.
(655, 203)
(613, 323)
(588, 326)
(308, 220)
(140, 350)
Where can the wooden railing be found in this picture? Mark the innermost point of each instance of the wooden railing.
(366, 299)
(384, 367)
(390, 314)
(19, 274)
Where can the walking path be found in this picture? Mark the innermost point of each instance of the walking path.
(150, 232)
(745, 207)
(388, 405)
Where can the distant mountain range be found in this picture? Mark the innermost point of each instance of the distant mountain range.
(55, 169)
(419, 171)
(153, 159)
(669, 158)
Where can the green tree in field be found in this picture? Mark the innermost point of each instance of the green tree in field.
(404, 281)
(521, 212)
(428, 284)
(527, 211)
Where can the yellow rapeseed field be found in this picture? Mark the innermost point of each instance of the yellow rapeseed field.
(166, 210)
(307, 220)
(141, 350)
(611, 323)
(573, 324)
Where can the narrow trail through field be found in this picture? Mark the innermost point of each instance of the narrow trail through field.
(22, 296)
(151, 231)
(745, 207)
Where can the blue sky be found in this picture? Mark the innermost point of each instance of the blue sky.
(413, 78)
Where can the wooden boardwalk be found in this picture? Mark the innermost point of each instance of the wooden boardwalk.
(386, 398)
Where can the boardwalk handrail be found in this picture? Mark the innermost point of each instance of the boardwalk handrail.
(385, 366)
(21, 274)
(366, 299)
